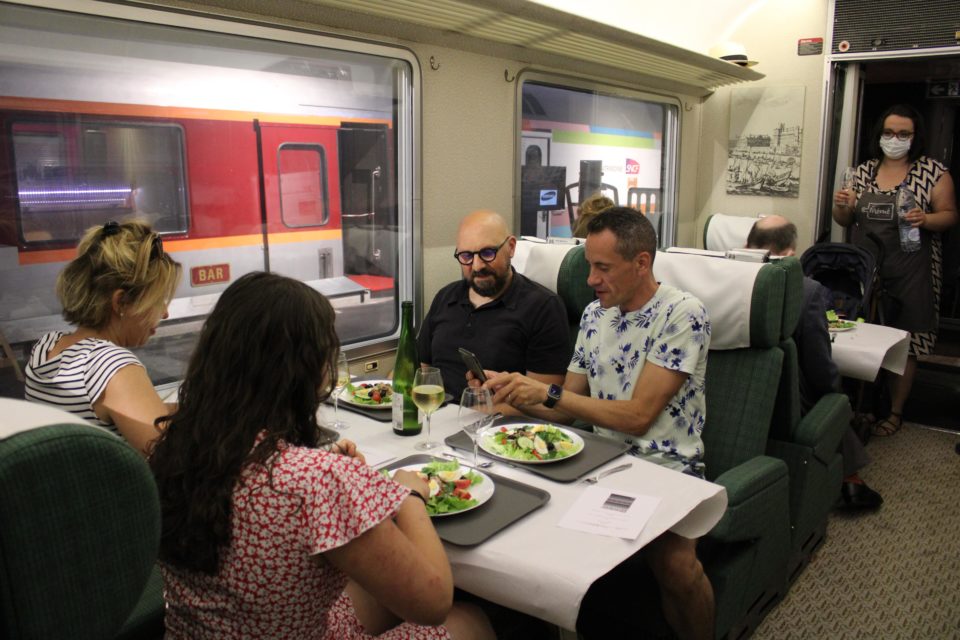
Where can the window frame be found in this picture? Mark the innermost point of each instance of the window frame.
(670, 158)
(181, 159)
(324, 188)
(407, 109)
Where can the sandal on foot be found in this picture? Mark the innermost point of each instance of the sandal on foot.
(887, 427)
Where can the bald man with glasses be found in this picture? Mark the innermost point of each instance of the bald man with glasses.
(510, 322)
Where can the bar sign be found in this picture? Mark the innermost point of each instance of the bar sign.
(209, 274)
(809, 46)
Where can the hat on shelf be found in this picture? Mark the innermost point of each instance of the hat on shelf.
(732, 52)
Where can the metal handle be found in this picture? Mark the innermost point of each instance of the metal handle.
(617, 469)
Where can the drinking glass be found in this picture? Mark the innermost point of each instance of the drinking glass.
(428, 396)
(847, 178)
(476, 414)
(343, 378)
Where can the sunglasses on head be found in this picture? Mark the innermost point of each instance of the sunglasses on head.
(112, 228)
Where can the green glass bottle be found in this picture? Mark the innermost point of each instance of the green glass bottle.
(406, 418)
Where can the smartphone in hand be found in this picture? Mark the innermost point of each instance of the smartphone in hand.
(473, 364)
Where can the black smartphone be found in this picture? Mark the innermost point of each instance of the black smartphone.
(473, 364)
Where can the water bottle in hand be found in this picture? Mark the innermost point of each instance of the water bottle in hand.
(909, 235)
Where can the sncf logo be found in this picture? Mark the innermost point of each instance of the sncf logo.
(633, 167)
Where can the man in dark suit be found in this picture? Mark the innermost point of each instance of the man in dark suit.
(818, 373)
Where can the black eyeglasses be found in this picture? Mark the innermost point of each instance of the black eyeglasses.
(487, 254)
(902, 135)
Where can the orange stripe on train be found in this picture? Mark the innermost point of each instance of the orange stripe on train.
(178, 246)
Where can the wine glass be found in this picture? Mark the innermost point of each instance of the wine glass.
(476, 414)
(428, 396)
(343, 379)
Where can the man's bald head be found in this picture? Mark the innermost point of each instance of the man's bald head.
(482, 224)
(774, 233)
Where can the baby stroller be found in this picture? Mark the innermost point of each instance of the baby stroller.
(851, 277)
(849, 274)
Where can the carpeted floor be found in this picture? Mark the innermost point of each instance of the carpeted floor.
(890, 574)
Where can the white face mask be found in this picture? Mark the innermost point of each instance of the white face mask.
(895, 148)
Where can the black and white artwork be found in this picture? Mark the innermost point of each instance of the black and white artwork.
(766, 135)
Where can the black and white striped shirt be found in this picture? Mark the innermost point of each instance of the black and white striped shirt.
(75, 378)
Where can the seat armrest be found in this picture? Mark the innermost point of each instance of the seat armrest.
(755, 489)
(822, 428)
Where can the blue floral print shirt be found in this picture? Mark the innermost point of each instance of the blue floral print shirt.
(672, 331)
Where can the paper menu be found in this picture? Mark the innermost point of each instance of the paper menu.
(610, 512)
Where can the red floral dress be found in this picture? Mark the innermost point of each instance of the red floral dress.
(269, 585)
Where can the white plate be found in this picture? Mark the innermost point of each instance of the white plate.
(577, 440)
(839, 329)
(347, 396)
(480, 492)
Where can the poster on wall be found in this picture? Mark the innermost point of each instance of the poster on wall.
(766, 135)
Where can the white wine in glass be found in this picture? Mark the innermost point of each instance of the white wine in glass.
(427, 394)
(476, 414)
(343, 379)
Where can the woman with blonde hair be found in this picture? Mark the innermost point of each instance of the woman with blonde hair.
(588, 211)
(115, 291)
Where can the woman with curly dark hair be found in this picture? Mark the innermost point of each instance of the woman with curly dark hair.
(263, 523)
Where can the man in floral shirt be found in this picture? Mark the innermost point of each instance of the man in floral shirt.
(638, 373)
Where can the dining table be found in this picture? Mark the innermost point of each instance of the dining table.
(534, 565)
(865, 348)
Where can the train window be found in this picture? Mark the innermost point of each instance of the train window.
(302, 171)
(248, 147)
(73, 173)
(578, 139)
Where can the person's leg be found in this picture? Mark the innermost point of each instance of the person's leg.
(685, 590)
(899, 392)
(468, 622)
(374, 617)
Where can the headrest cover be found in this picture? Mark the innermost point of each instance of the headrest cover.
(722, 232)
(540, 261)
(20, 416)
(743, 299)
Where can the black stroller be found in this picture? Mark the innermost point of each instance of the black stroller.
(851, 277)
(849, 274)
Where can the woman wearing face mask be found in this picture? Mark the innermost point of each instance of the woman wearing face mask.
(911, 279)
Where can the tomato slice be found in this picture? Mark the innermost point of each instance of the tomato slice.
(460, 493)
(462, 483)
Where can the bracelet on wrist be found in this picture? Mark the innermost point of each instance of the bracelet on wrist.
(417, 494)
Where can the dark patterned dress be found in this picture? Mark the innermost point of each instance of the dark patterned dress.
(921, 179)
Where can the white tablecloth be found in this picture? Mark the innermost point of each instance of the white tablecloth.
(861, 352)
(535, 566)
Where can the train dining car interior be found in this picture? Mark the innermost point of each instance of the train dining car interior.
(341, 143)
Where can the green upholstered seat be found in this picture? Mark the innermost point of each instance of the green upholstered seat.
(79, 533)
(573, 289)
(808, 444)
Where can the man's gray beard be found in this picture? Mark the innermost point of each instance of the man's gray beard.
(489, 291)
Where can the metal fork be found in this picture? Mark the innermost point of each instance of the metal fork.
(604, 474)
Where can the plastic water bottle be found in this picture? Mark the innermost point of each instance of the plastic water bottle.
(909, 235)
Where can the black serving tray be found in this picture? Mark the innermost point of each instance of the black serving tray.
(597, 451)
(510, 502)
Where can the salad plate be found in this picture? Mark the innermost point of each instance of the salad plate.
(841, 325)
(530, 443)
(454, 488)
(369, 394)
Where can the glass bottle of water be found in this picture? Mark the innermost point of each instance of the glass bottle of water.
(909, 235)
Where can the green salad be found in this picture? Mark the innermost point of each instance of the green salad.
(374, 394)
(836, 322)
(531, 443)
(449, 486)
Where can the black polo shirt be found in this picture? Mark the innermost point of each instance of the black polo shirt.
(523, 330)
